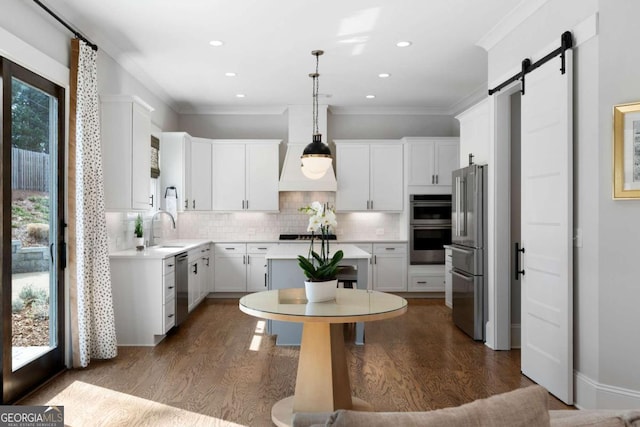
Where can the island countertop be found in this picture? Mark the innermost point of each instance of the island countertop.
(292, 250)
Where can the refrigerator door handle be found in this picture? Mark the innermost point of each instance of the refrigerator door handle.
(457, 206)
(462, 276)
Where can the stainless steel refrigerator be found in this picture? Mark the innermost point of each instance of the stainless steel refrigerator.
(468, 242)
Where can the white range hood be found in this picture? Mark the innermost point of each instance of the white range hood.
(300, 134)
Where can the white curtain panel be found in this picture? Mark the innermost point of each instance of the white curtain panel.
(96, 325)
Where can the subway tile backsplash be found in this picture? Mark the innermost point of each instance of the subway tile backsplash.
(252, 226)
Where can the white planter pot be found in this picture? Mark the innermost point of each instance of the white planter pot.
(321, 291)
(139, 242)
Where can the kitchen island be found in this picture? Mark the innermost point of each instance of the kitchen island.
(284, 272)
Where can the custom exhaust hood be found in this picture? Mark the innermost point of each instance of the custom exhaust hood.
(300, 133)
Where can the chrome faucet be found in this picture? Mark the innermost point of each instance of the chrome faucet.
(173, 221)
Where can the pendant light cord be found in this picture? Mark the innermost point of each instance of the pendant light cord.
(316, 87)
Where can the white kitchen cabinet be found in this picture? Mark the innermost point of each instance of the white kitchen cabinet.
(175, 158)
(370, 175)
(431, 161)
(199, 275)
(230, 267)
(390, 267)
(143, 299)
(206, 284)
(240, 267)
(200, 171)
(126, 152)
(368, 248)
(448, 284)
(426, 278)
(245, 175)
(257, 267)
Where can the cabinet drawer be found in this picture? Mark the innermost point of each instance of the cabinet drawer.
(253, 248)
(230, 248)
(389, 248)
(168, 265)
(169, 281)
(169, 315)
(426, 284)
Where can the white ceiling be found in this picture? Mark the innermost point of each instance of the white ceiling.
(268, 43)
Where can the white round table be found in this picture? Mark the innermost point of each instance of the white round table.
(322, 383)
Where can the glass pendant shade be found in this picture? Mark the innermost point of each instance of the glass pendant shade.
(316, 158)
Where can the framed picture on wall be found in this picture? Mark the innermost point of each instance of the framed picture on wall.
(626, 151)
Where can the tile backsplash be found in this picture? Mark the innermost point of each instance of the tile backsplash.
(253, 226)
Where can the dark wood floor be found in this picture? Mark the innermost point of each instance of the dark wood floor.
(207, 369)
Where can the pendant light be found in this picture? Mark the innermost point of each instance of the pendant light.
(316, 157)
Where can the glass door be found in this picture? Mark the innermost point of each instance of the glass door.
(33, 251)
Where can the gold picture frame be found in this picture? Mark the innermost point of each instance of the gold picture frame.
(626, 151)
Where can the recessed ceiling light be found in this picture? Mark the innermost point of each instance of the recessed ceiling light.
(240, 95)
(403, 44)
(230, 74)
(216, 43)
(384, 75)
(370, 96)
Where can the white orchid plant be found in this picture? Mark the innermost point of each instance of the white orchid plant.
(320, 267)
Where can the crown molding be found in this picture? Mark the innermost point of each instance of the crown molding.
(234, 110)
(470, 100)
(390, 111)
(513, 19)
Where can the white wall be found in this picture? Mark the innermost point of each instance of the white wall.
(606, 267)
(474, 133)
(619, 233)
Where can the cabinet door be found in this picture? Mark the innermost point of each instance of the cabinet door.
(426, 283)
(194, 283)
(228, 177)
(205, 278)
(352, 162)
(201, 175)
(141, 157)
(262, 164)
(390, 273)
(386, 177)
(175, 155)
(447, 158)
(230, 273)
(256, 273)
(421, 164)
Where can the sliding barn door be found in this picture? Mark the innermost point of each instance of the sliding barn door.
(547, 211)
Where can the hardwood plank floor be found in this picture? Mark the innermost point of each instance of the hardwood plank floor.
(219, 366)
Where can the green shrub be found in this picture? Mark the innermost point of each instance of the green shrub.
(17, 305)
(29, 296)
(38, 232)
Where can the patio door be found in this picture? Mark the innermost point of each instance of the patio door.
(33, 252)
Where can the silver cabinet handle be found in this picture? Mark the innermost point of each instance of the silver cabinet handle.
(243, 204)
(230, 249)
(248, 257)
(263, 249)
(194, 204)
(375, 259)
(421, 283)
(186, 204)
(247, 204)
(244, 261)
(433, 179)
(372, 205)
(170, 316)
(390, 249)
(170, 287)
(169, 265)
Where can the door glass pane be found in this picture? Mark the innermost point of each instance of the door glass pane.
(33, 195)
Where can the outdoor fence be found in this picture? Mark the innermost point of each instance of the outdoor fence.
(30, 170)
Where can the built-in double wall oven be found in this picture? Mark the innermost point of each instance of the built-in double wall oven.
(430, 228)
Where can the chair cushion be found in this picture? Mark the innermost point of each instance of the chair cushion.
(526, 407)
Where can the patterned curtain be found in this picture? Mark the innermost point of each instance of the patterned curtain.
(92, 318)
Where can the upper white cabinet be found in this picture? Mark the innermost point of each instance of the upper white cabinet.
(431, 161)
(126, 152)
(370, 175)
(200, 175)
(245, 175)
(175, 158)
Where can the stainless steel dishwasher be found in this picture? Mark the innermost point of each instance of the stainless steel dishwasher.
(182, 287)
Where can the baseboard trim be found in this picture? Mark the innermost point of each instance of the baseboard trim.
(515, 335)
(590, 394)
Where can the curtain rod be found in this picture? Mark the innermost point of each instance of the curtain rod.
(69, 27)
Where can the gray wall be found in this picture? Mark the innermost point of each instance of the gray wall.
(619, 233)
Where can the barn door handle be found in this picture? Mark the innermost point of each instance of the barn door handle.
(517, 257)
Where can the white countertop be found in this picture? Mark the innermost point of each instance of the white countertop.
(292, 250)
(161, 250)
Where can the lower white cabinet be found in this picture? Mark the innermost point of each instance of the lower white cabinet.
(426, 278)
(143, 299)
(240, 267)
(390, 267)
(199, 275)
(256, 267)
